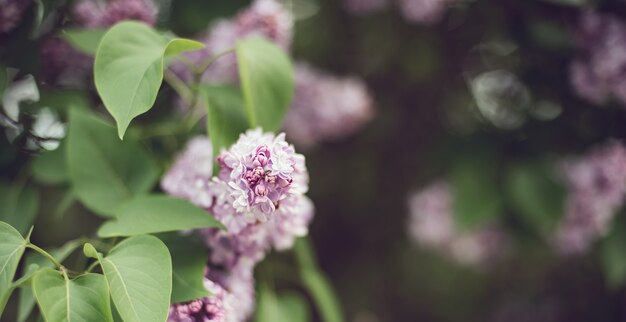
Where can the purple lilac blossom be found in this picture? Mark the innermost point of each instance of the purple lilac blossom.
(597, 188)
(94, 14)
(215, 308)
(431, 225)
(423, 11)
(325, 107)
(265, 18)
(596, 74)
(11, 12)
(365, 7)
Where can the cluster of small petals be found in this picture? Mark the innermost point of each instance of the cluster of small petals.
(190, 175)
(265, 18)
(261, 170)
(11, 12)
(215, 308)
(364, 7)
(423, 11)
(326, 108)
(596, 73)
(431, 225)
(93, 14)
(597, 188)
(238, 281)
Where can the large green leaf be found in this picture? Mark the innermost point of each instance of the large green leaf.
(50, 167)
(477, 199)
(32, 263)
(12, 246)
(189, 258)
(536, 196)
(266, 77)
(85, 298)
(18, 206)
(128, 69)
(613, 252)
(139, 273)
(226, 116)
(103, 170)
(155, 214)
(84, 40)
(288, 307)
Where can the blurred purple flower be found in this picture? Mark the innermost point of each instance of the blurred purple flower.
(423, 11)
(94, 14)
(326, 108)
(62, 64)
(215, 308)
(11, 12)
(265, 18)
(364, 7)
(597, 188)
(597, 73)
(431, 225)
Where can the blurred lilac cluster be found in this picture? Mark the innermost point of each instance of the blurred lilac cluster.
(597, 188)
(597, 73)
(325, 107)
(64, 65)
(425, 12)
(11, 12)
(258, 195)
(432, 225)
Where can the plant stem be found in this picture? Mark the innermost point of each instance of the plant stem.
(179, 86)
(92, 266)
(202, 68)
(45, 254)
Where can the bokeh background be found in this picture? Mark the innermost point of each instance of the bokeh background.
(469, 92)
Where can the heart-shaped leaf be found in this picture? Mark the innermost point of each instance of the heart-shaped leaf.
(266, 77)
(139, 273)
(128, 69)
(85, 298)
(103, 170)
(12, 246)
(155, 214)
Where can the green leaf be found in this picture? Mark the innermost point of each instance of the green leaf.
(18, 206)
(155, 214)
(613, 252)
(50, 167)
(128, 69)
(267, 83)
(316, 283)
(475, 193)
(288, 307)
(536, 196)
(139, 273)
(189, 258)
(84, 40)
(226, 116)
(12, 246)
(85, 298)
(103, 170)
(33, 262)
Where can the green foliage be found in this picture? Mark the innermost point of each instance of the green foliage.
(139, 274)
(287, 307)
(128, 69)
(537, 196)
(189, 258)
(155, 214)
(226, 116)
(267, 82)
(475, 192)
(613, 253)
(12, 246)
(84, 40)
(103, 170)
(18, 206)
(50, 167)
(85, 298)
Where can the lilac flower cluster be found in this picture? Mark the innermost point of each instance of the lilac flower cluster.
(423, 12)
(265, 18)
(62, 64)
(209, 309)
(11, 12)
(597, 72)
(326, 108)
(597, 188)
(258, 195)
(431, 224)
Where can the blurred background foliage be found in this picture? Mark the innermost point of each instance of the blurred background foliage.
(482, 97)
